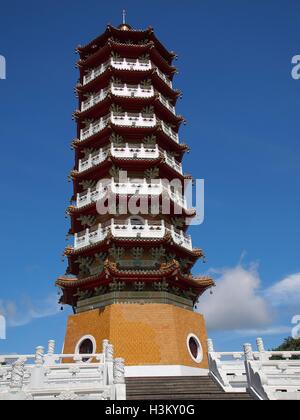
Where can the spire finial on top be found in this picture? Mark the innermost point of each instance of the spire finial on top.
(124, 26)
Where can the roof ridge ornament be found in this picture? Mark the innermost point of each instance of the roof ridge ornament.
(124, 17)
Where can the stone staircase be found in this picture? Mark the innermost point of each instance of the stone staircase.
(179, 388)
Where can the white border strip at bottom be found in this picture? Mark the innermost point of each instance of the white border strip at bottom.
(163, 370)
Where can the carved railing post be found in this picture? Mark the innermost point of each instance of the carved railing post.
(260, 345)
(248, 352)
(51, 347)
(39, 356)
(119, 371)
(210, 346)
(17, 374)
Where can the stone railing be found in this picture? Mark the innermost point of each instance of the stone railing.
(131, 119)
(127, 152)
(94, 99)
(260, 372)
(164, 78)
(272, 379)
(139, 187)
(133, 91)
(166, 103)
(125, 64)
(123, 119)
(62, 376)
(127, 229)
(124, 90)
(169, 132)
(228, 369)
(120, 64)
(94, 128)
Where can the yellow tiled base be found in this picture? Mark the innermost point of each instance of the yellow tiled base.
(151, 334)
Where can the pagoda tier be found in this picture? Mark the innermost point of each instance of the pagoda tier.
(129, 71)
(113, 285)
(132, 37)
(86, 213)
(127, 124)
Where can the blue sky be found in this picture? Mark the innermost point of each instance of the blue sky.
(242, 107)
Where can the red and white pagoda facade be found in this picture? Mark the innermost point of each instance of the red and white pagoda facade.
(129, 270)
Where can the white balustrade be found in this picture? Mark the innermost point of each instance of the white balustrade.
(169, 132)
(93, 159)
(94, 73)
(167, 103)
(128, 119)
(94, 128)
(120, 64)
(171, 161)
(125, 119)
(124, 152)
(134, 91)
(146, 230)
(127, 229)
(228, 370)
(90, 237)
(131, 64)
(260, 372)
(94, 99)
(125, 90)
(164, 78)
(138, 187)
(62, 376)
(270, 379)
(127, 152)
(90, 196)
(181, 239)
(125, 64)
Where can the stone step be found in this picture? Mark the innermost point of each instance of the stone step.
(179, 388)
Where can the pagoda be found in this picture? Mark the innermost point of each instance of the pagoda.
(129, 270)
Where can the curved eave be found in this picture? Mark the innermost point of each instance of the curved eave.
(128, 51)
(138, 34)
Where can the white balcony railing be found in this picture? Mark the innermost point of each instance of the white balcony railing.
(171, 161)
(125, 152)
(125, 119)
(120, 64)
(167, 104)
(135, 91)
(131, 64)
(164, 78)
(169, 132)
(93, 159)
(139, 187)
(94, 128)
(127, 229)
(125, 64)
(129, 119)
(94, 99)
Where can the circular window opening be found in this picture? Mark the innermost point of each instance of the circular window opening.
(87, 345)
(195, 348)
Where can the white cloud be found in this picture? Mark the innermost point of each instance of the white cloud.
(21, 313)
(285, 292)
(237, 302)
